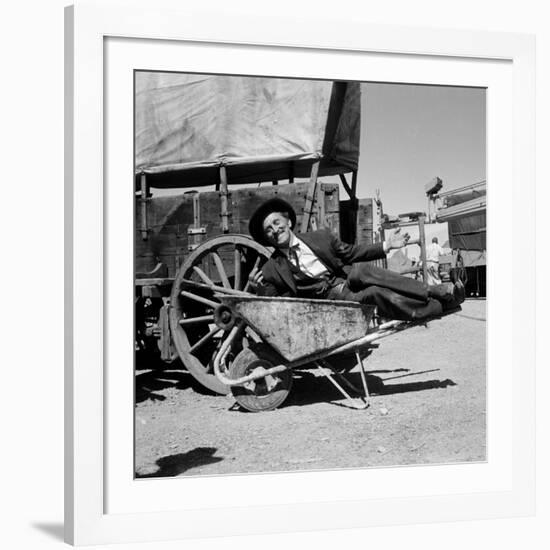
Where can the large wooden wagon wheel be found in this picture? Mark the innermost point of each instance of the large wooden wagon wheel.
(224, 261)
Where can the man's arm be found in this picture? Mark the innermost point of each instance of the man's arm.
(351, 253)
(261, 287)
(396, 240)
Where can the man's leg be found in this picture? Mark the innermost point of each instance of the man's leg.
(364, 275)
(390, 304)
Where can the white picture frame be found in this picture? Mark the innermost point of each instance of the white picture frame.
(96, 467)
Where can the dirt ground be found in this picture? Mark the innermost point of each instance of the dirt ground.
(428, 405)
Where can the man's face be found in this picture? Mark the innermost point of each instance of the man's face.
(277, 230)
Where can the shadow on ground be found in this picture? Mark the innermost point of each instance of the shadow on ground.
(147, 384)
(309, 389)
(175, 465)
(54, 530)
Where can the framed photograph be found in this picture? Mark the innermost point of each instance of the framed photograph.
(293, 263)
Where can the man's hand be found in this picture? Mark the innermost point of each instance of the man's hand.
(396, 240)
(255, 279)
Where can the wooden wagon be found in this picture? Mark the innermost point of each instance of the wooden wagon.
(228, 144)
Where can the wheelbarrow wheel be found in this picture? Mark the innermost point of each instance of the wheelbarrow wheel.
(223, 261)
(263, 394)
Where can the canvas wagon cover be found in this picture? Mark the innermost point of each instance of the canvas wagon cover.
(260, 128)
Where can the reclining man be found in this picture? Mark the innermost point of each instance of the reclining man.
(311, 265)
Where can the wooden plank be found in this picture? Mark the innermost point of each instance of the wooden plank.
(154, 291)
(224, 213)
(154, 281)
(165, 339)
(310, 197)
(422, 239)
(143, 206)
(364, 223)
(196, 238)
(210, 207)
(331, 193)
(321, 213)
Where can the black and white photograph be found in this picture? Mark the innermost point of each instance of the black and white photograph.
(276, 306)
(310, 274)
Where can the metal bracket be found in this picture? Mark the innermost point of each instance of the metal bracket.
(196, 231)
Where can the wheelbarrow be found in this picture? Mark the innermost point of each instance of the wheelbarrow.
(287, 333)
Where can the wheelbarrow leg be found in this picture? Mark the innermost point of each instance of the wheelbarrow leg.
(363, 404)
(363, 376)
(340, 377)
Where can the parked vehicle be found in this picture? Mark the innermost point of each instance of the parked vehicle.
(228, 144)
(465, 210)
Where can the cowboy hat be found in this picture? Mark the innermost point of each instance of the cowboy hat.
(255, 225)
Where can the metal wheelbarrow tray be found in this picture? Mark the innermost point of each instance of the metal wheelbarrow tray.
(297, 327)
(288, 333)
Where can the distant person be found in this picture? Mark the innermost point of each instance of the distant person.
(311, 265)
(433, 252)
(415, 263)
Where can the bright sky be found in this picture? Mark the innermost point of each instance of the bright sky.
(410, 134)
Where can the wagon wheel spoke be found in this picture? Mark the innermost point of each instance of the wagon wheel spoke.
(221, 270)
(196, 320)
(206, 338)
(237, 270)
(199, 298)
(206, 279)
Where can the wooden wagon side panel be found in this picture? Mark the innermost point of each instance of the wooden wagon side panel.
(168, 220)
(356, 221)
(365, 232)
(177, 223)
(365, 228)
(326, 208)
(329, 207)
